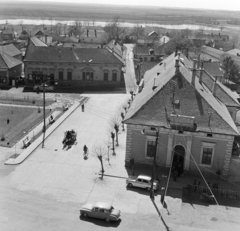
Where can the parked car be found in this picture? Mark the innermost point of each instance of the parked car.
(100, 210)
(40, 87)
(142, 181)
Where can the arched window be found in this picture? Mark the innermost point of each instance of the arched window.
(60, 74)
(69, 74)
(105, 75)
(114, 75)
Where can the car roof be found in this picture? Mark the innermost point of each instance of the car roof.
(103, 205)
(145, 177)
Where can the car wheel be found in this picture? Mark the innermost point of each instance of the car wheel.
(148, 188)
(107, 220)
(130, 185)
(85, 214)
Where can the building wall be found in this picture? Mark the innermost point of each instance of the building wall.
(77, 71)
(192, 143)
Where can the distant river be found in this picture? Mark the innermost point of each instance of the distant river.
(126, 24)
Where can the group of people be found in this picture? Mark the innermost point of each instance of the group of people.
(177, 170)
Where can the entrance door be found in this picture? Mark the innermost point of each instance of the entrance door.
(178, 159)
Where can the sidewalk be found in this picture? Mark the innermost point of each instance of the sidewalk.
(23, 154)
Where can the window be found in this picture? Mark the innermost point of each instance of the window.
(114, 76)
(60, 74)
(69, 74)
(105, 75)
(207, 153)
(150, 148)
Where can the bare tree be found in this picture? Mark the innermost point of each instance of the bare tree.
(115, 123)
(114, 29)
(100, 151)
(76, 28)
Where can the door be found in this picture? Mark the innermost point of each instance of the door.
(178, 159)
(138, 183)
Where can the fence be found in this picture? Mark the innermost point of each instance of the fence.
(217, 192)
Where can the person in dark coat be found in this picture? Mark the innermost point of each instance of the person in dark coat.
(82, 107)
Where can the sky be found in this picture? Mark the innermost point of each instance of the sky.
(203, 4)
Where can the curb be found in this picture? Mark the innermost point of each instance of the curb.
(27, 152)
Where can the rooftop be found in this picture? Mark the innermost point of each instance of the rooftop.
(72, 55)
(10, 49)
(154, 105)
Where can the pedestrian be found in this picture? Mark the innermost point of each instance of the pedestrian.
(162, 195)
(85, 149)
(51, 117)
(82, 107)
(175, 174)
(8, 121)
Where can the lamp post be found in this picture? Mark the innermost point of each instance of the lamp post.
(156, 134)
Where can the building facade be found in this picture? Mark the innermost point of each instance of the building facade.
(192, 115)
(73, 66)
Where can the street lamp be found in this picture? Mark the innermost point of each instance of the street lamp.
(154, 133)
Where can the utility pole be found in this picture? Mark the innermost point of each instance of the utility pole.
(154, 166)
(44, 121)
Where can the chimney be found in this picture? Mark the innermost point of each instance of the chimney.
(95, 33)
(87, 32)
(177, 63)
(214, 87)
(201, 73)
(194, 71)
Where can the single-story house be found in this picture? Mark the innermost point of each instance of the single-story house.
(72, 66)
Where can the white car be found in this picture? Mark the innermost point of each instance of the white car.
(142, 181)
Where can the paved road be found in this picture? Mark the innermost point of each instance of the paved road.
(130, 78)
(47, 190)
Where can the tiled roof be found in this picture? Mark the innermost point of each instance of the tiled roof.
(141, 50)
(116, 47)
(10, 49)
(234, 52)
(212, 68)
(222, 92)
(153, 107)
(82, 45)
(7, 62)
(212, 50)
(37, 42)
(73, 55)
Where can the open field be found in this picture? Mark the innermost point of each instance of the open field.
(95, 12)
(21, 121)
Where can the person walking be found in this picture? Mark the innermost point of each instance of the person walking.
(82, 107)
(85, 150)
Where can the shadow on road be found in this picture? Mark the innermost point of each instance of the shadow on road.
(194, 198)
(113, 224)
(160, 216)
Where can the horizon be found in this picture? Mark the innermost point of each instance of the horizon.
(230, 5)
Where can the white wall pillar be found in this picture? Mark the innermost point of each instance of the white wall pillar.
(169, 150)
(188, 153)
